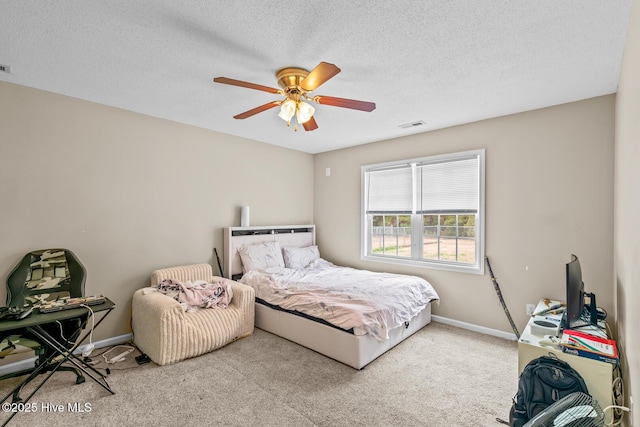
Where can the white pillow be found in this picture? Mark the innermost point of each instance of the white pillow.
(261, 256)
(299, 258)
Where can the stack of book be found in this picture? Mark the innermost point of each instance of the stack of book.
(591, 346)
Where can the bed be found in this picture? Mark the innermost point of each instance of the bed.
(286, 283)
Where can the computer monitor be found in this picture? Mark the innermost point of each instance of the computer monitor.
(575, 315)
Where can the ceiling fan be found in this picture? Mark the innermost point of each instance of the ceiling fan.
(295, 85)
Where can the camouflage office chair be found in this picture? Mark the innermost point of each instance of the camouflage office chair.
(42, 276)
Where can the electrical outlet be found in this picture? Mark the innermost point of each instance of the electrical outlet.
(530, 309)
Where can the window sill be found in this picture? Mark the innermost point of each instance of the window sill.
(470, 269)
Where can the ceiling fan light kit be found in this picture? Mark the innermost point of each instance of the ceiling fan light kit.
(287, 110)
(304, 112)
(295, 84)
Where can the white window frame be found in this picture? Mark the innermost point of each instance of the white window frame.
(417, 227)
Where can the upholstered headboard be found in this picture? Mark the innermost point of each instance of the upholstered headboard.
(287, 235)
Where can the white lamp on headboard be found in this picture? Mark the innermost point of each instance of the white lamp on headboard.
(244, 216)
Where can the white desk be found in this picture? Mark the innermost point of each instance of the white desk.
(596, 374)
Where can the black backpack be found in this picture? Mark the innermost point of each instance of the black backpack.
(542, 382)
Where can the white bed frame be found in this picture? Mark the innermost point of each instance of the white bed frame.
(354, 350)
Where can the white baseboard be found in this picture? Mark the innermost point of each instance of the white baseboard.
(121, 339)
(25, 364)
(475, 328)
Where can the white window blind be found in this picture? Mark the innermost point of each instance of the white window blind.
(439, 187)
(450, 186)
(390, 190)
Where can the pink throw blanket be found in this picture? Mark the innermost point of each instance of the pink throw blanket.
(198, 294)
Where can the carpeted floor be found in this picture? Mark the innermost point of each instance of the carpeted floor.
(441, 376)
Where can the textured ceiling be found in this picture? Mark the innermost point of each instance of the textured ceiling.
(443, 62)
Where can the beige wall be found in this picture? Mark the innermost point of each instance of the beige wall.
(549, 193)
(129, 193)
(627, 212)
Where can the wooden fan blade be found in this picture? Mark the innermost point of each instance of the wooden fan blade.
(257, 110)
(345, 103)
(310, 124)
(323, 72)
(234, 82)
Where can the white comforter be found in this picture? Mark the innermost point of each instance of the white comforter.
(370, 303)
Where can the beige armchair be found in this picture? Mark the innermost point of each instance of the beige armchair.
(168, 334)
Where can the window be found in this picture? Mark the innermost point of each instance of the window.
(427, 211)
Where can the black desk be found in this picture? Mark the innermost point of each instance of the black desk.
(34, 323)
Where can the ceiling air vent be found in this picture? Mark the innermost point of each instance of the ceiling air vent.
(413, 124)
(5, 68)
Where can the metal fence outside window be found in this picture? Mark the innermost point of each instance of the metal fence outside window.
(442, 242)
